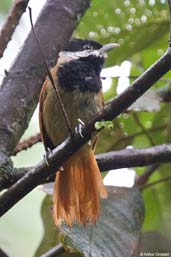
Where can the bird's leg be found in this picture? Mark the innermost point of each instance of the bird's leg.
(46, 157)
(79, 127)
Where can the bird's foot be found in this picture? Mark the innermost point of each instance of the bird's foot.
(79, 127)
(61, 168)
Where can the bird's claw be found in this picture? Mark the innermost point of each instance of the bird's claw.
(61, 168)
(80, 127)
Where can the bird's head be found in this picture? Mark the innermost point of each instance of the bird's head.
(87, 51)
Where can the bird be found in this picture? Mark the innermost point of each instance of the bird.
(78, 184)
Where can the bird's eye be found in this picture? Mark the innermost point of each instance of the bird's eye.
(88, 47)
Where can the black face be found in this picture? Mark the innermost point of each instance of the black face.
(77, 44)
(82, 73)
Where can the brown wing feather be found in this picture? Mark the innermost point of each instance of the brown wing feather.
(95, 135)
(46, 140)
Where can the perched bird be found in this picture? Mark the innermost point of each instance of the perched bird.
(79, 184)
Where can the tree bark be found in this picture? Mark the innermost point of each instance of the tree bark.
(20, 88)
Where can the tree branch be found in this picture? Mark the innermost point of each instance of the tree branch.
(128, 138)
(8, 28)
(28, 72)
(142, 179)
(27, 143)
(3, 254)
(166, 179)
(11, 176)
(164, 93)
(126, 158)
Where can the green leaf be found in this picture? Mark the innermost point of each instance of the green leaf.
(103, 124)
(108, 138)
(117, 230)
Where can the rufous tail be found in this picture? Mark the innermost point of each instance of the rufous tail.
(77, 189)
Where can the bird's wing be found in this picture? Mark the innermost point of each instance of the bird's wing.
(45, 138)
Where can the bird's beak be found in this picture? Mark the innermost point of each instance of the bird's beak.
(106, 48)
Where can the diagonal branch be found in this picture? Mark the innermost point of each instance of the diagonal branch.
(3, 254)
(8, 28)
(166, 179)
(60, 154)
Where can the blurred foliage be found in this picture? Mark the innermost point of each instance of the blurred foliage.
(135, 25)
(5, 5)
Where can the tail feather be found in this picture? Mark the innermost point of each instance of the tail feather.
(77, 190)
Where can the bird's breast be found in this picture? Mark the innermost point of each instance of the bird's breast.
(77, 105)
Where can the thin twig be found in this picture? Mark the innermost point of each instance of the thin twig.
(142, 179)
(166, 179)
(145, 132)
(130, 137)
(27, 143)
(8, 28)
(55, 86)
(54, 252)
